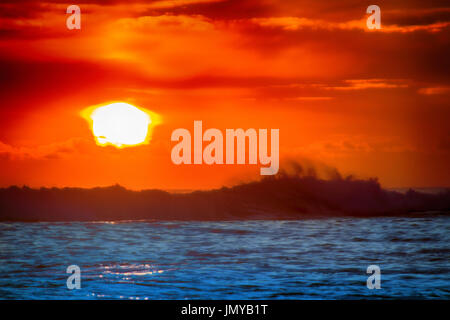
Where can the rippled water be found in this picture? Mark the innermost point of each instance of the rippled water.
(305, 259)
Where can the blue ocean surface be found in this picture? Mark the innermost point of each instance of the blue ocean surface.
(300, 259)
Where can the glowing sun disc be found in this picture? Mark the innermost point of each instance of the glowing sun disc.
(119, 124)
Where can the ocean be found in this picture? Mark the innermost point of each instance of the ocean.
(292, 259)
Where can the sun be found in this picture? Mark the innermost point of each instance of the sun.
(119, 124)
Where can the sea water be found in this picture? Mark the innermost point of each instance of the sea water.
(300, 259)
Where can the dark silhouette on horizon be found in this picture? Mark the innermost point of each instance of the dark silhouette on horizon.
(282, 197)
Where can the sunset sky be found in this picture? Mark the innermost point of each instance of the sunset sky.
(373, 103)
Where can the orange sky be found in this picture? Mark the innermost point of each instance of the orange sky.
(370, 103)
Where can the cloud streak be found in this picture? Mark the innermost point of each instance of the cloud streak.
(44, 152)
